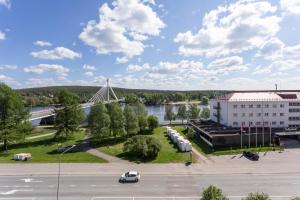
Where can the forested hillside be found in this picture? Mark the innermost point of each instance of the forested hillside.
(47, 95)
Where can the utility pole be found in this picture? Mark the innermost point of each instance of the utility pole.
(107, 89)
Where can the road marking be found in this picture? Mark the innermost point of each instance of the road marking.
(72, 185)
(14, 191)
(18, 198)
(30, 180)
(93, 185)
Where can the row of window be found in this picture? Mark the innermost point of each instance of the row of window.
(294, 110)
(259, 106)
(294, 118)
(257, 123)
(258, 114)
(294, 103)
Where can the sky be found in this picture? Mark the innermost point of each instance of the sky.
(151, 44)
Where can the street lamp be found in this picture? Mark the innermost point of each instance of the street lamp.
(59, 157)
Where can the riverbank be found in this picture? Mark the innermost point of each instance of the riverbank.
(182, 102)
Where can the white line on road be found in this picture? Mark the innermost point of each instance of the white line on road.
(18, 198)
(14, 191)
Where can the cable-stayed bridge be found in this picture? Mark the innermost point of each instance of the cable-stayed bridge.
(106, 95)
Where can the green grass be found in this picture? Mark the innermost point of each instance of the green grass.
(40, 131)
(202, 147)
(169, 153)
(44, 150)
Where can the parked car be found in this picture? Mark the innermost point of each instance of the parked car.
(251, 155)
(131, 176)
(22, 156)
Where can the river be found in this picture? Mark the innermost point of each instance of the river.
(157, 110)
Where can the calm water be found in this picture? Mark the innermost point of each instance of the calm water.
(158, 111)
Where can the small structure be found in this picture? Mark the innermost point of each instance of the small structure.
(183, 144)
(22, 156)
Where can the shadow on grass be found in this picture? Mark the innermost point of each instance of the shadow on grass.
(134, 158)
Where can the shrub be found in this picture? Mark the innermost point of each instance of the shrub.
(152, 122)
(257, 196)
(190, 134)
(296, 198)
(143, 146)
(213, 193)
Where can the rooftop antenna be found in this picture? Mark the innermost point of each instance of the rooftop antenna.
(276, 86)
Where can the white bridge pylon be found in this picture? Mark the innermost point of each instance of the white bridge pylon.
(104, 95)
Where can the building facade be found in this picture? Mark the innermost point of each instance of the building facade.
(257, 109)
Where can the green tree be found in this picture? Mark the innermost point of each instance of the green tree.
(257, 196)
(205, 113)
(152, 122)
(204, 100)
(142, 123)
(213, 193)
(131, 121)
(99, 122)
(143, 146)
(140, 109)
(193, 111)
(190, 134)
(116, 119)
(12, 114)
(169, 114)
(131, 99)
(69, 116)
(182, 113)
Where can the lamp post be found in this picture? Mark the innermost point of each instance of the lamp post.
(58, 176)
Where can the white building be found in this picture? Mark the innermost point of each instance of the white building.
(257, 109)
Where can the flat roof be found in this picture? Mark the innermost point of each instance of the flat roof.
(261, 96)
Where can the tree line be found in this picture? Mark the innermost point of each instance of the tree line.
(45, 96)
(183, 113)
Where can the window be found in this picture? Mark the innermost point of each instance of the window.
(266, 123)
(266, 114)
(266, 105)
(234, 106)
(274, 123)
(250, 123)
(251, 106)
(243, 106)
(243, 123)
(235, 124)
(258, 106)
(281, 122)
(243, 114)
(257, 123)
(281, 105)
(250, 114)
(281, 114)
(235, 114)
(274, 114)
(274, 106)
(258, 114)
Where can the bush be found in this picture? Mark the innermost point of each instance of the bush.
(152, 122)
(143, 146)
(296, 198)
(257, 196)
(190, 134)
(213, 193)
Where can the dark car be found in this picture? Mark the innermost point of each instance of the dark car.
(251, 155)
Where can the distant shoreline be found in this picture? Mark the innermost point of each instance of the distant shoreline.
(182, 102)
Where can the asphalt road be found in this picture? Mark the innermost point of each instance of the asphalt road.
(281, 186)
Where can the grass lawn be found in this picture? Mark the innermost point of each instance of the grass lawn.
(40, 131)
(168, 154)
(202, 147)
(44, 150)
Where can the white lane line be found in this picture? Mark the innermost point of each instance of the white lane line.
(180, 197)
(30, 180)
(93, 185)
(14, 191)
(72, 185)
(18, 198)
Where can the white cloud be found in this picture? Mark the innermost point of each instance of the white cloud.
(56, 54)
(2, 35)
(290, 6)
(235, 28)
(59, 70)
(137, 68)
(42, 43)
(5, 3)
(8, 80)
(89, 74)
(41, 82)
(8, 67)
(89, 67)
(122, 28)
(123, 59)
